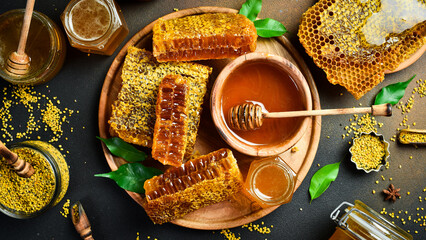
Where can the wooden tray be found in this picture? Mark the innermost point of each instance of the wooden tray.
(238, 210)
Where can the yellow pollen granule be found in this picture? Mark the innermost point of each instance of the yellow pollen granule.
(229, 235)
(27, 195)
(65, 209)
(368, 152)
(294, 149)
(40, 116)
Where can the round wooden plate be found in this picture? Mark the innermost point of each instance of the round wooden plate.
(409, 61)
(238, 210)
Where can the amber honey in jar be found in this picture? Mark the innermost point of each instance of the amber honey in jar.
(270, 182)
(29, 197)
(45, 47)
(94, 26)
(264, 84)
(361, 222)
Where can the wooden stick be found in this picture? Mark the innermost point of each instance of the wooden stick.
(80, 221)
(23, 168)
(25, 26)
(19, 62)
(249, 116)
(376, 110)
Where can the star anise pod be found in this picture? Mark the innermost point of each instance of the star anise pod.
(391, 193)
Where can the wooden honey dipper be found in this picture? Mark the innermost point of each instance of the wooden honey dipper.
(23, 168)
(249, 116)
(19, 62)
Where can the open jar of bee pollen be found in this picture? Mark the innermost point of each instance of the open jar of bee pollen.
(361, 222)
(29, 197)
(270, 182)
(94, 26)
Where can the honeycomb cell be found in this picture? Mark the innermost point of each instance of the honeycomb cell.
(368, 37)
(171, 125)
(204, 36)
(133, 113)
(200, 182)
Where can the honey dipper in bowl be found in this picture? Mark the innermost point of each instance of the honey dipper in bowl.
(249, 116)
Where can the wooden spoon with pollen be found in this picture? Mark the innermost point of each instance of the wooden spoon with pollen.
(81, 221)
(249, 116)
(19, 62)
(23, 168)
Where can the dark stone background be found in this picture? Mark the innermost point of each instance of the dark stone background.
(114, 215)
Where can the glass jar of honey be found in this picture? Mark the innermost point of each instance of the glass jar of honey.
(29, 197)
(45, 47)
(270, 182)
(360, 222)
(94, 26)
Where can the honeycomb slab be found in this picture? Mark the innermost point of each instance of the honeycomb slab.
(355, 41)
(171, 125)
(200, 182)
(204, 36)
(133, 113)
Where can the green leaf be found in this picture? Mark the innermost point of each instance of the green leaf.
(269, 28)
(392, 93)
(131, 176)
(120, 148)
(251, 8)
(322, 179)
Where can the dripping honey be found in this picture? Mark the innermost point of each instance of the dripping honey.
(274, 90)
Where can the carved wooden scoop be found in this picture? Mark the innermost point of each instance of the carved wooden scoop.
(23, 168)
(80, 221)
(249, 116)
(19, 62)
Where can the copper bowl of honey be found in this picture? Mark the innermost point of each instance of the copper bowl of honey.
(275, 84)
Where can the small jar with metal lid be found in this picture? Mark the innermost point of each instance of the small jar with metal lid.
(361, 222)
(29, 197)
(94, 26)
(45, 47)
(270, 182)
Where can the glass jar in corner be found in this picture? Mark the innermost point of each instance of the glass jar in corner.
(360, 222)
(94, 26)
(45, 47)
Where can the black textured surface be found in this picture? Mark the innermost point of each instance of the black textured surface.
(114, 215)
